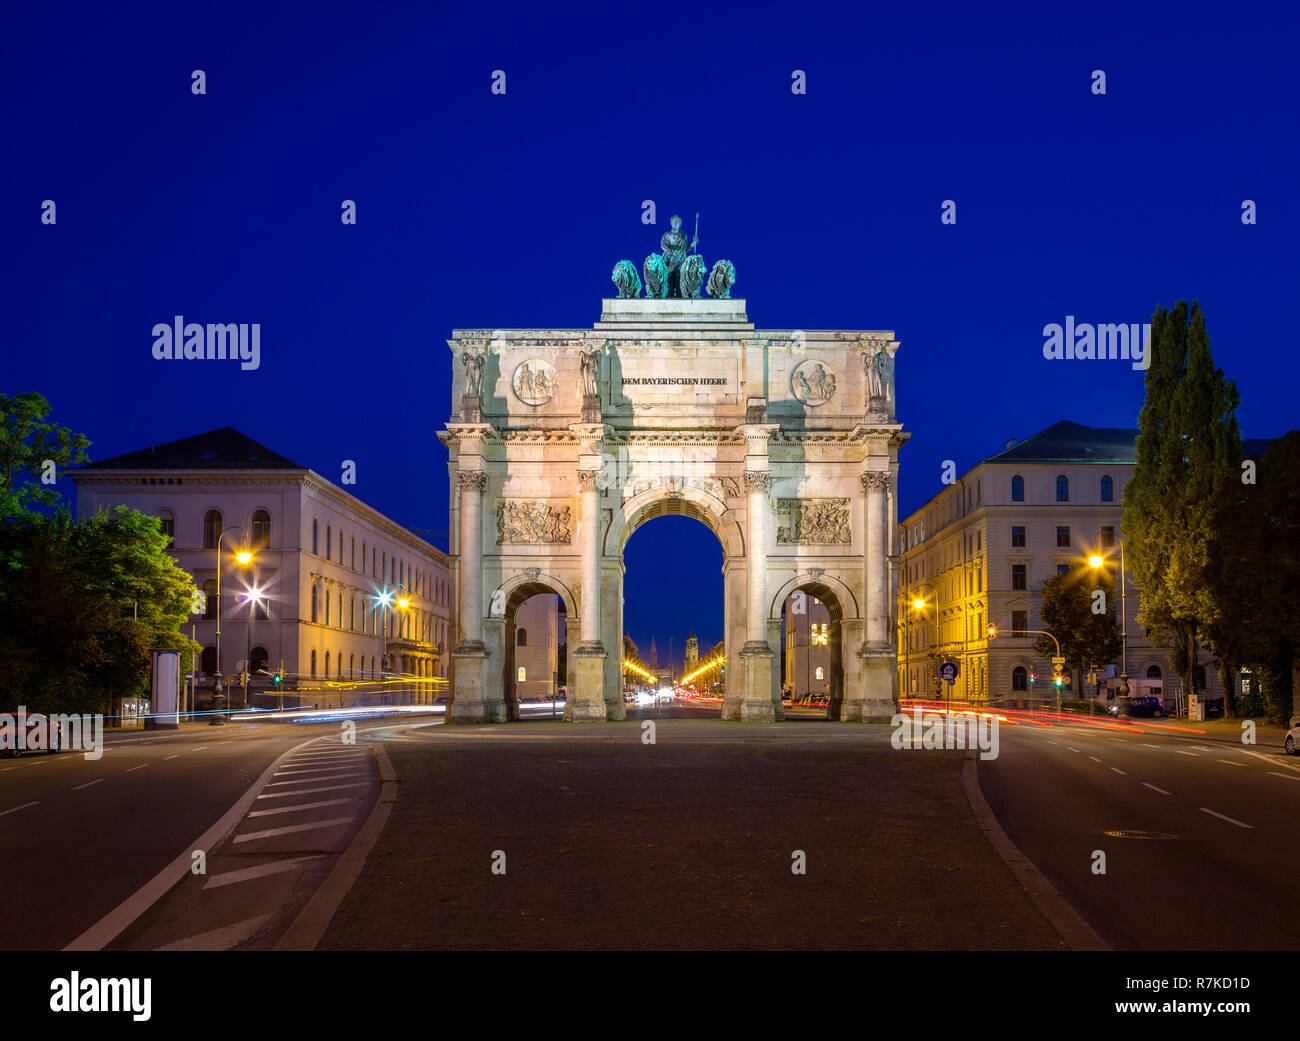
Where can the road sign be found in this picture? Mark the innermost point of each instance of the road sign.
(1057, 663)
(948, 671)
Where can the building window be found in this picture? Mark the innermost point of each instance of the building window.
(340, 609)
(352, 613)
(1107, 489)
(315, 601)
(315, 536)
(327, 664)
(1062, 488)
(313, 663)
(260, 608)
(167, 524)
(329, 543)
(1019, 678)
(523, 674)
(1018, 536)
(1017, 488)
(210, 600)
(211, 529)
(354, 553)
(261, 529)
(1019, 623)
(1107, 537)
(1062, 569)
(1200, 679)
(1018, 577)
(208, 661)
(1154, 673)
(1063, 535)
(352, 666)
(819, 673)
(521, 637)
(327, 622)
(257, 659)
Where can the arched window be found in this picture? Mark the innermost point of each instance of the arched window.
(521, 637)
(340, 609)
(257, 659)
(211, 529)
(261, 529)
(327, 664)
(352, 666)
(208, 661)
(1107, 489)
(313, 662)
(819, 673)
(167, 523)
(340, 661)
(1017, 488)
(329, 540)
(1019, 678)
(1154, 673)
(523, 674)
(315, 601)
(315, 536)
(210, 595)
(1062, 488)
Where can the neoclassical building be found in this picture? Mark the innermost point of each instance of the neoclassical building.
(312, 594)
(563, 442)
(978, 554)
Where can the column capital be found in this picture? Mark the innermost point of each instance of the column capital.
(875, 481)
(587, 480)
(474, 480)
(758, 480)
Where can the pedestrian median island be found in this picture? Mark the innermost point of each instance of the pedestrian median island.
(813, 837)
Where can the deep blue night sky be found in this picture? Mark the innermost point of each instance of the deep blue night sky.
(478, 210)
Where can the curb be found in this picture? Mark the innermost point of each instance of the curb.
(310, 925)
(1077, 934)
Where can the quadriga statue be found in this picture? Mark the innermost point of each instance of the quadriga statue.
(692, 276)
(721, 279)
(656, 277)
(627, 280)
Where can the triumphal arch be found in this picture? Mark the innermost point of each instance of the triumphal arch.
(562, 442)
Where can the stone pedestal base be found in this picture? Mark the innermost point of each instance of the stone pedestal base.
(876, 701)
(586, 701)
(591, 408)
(755, 703)
(471, 409)
(468, 704)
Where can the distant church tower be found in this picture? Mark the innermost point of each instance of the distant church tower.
(692, 652)
(654, 655)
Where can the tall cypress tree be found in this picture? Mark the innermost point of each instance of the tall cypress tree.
(1177, 503)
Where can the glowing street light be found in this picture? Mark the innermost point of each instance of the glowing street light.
(244, 556)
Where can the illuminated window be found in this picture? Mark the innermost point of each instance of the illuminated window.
(819, 673)
(523, 674)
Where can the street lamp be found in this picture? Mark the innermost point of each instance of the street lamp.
(254, 600)
(1096, 562)
(918, 604)
(244, 556)
(384, 599)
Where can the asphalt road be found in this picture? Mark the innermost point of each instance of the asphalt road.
(1224, 877)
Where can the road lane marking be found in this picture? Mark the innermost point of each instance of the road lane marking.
(135, 768)
(1202, 748)
(1094, 759)
(17, 808)
(313, 791)
(1229, 762)
(314, 770)
(1155, 789)
(172, 756)
(87, 784)
(1071, 748)
(290, 828)
(1289, 777)
(199, 749)
(1206, 809)
(1275, 759)
(313, 780)
(1147, 745)
(1179, 751)
(230, 878)
(1118, 770)
(303, 806)
(222, 939)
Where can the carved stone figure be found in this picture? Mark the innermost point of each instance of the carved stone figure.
(815, 522)
(656, 277)
(528, 522)
(721, 279)
(675, 250)
(872, 374)
(692, 276)
(590, 364)
(473, 362)
(627, 280)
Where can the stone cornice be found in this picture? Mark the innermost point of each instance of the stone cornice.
(327, 491)
(199, 478)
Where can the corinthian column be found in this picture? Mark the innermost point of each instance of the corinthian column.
(757, 703)
(588, 699)
(472, 484)
(875, 575)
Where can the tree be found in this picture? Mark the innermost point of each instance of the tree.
(28, 443)
(1078, 608)
(1177, 504)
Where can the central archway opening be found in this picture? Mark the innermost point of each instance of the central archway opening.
(812, 652)
(535, 661)
(673, 627)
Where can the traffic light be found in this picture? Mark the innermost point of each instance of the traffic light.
(1033, 678)
(1058, 680)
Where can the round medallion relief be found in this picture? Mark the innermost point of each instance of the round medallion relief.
(812, 382)
(534, 382)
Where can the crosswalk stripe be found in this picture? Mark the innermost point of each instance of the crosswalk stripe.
(230, 878)
(290, 828)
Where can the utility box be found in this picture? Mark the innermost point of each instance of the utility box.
(166, 686)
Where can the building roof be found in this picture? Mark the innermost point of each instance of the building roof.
(224, 449)
(1067, 442)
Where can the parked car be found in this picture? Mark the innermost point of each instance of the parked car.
(1289, 745)
(51, 738)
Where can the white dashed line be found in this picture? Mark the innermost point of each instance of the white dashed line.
(1289, 777)
(1202, 748)
(1094, 759)
(1205, 809)
(1145, 745)
(1228, 762)
(135, 768)
(1154, 788)
(1071, 748)
(1179, 751)
(172, 756)
(17, 808)
(87, 784)
(1119, 771)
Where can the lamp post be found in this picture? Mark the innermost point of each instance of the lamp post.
(254, 599)
(1097, 561)
(385, 598)
(918, 604)
(244, 556)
